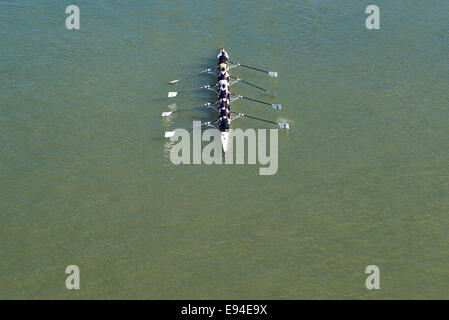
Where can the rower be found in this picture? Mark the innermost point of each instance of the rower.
(223, 82)
(226, 101)
(223, 90)
(222, 66)
(223, 72)
(223, 110)
(223, 56)
(224, 123)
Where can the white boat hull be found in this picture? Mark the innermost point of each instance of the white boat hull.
(224, 140)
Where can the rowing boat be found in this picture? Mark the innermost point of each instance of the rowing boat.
(225, 135)
(224, 140)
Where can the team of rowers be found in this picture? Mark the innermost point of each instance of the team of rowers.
(224, 94)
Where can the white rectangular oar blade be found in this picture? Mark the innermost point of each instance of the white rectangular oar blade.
(173, 81)
(166, 114)
(172, 94)
(273, 74)
(276, 106)
(169, 134)
(284, 126)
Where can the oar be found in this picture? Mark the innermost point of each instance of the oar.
(209, 123)
(273, 105)
(169, 113)
(172, 94)
(282, 125)
(192, 75)
(273, 74)
(252, 85)
(169, 134)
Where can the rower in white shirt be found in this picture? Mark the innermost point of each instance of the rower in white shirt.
(223, 89)
(223, 73)
(222, 83)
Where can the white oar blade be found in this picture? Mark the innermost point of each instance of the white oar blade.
(284, 126)
(173, 81)
(169, 134)
(166, 114)
(172, 94)
(276, 106)
(273, 74)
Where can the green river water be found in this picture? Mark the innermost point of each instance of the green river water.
(86, 177)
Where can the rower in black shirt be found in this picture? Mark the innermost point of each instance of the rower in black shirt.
(224, 123)
(226, 101)
(223, 109)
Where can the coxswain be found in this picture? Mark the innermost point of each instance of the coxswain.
(223, 56)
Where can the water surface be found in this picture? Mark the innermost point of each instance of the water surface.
(86, 177)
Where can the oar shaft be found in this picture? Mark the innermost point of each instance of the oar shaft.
(195, 74)
(255, 118)
(255, 100)
(208, 123)
(249, 67)
(192, 75)
(196, 107)
(250, 84)
(203, 87)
